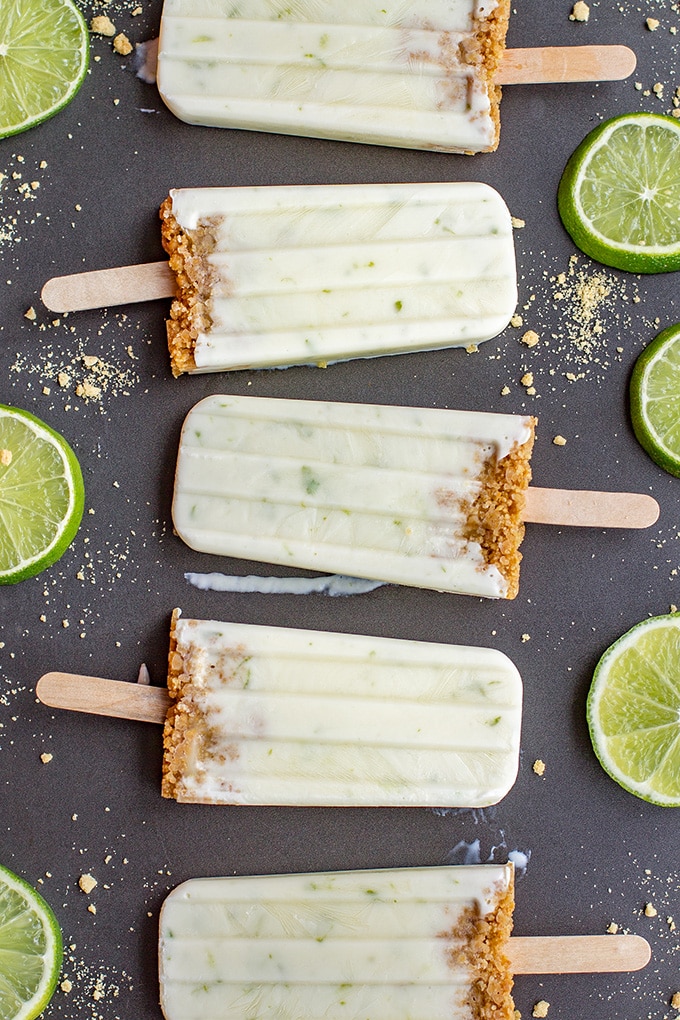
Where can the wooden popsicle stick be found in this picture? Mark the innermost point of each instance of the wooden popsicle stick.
(545, 64)
(103, 288)
(585, 509)
(96, 696)
(578, 954)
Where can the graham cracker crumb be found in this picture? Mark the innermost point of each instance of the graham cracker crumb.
(517, 321)
(88, 390)
(541, 1008)
(102, 25)
(530, 338)
(559, 441)
(652, 24)
(45, 758)
(539, 767)
(30, 314)
(580, 12)
(613, 928)
(675, 1001)
(650, 910)
(87, 883)
(122, 44)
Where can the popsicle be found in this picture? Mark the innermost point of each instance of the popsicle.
(299, 275)
(268, 715)
(395, 944)
(424, 74)
(415, 496)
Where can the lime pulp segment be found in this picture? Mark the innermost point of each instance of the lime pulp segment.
(30, 949)
(41, 495)
(634, 710)
(655, 399)
(43, 59)
(619, 196)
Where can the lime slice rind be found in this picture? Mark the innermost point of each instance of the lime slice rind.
(619, 196)
(636, 736)
(655, 400)
(41, 496)
(31, 949)
(44, 54)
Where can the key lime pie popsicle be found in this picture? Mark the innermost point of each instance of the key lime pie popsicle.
(417, 496)
(271, 715)
(417, 74)
(309, 275)
(402, 944)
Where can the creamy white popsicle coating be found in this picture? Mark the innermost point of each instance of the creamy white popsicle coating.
(416, 74)
(405, 944)
(269, 715)
(312, 275)
(385, 493)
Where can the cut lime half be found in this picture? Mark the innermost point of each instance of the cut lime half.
(41, 495)
(634, 710)
(30, 949)
(619, 197)
(655, 399)
(43, 59)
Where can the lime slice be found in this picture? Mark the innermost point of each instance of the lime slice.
(41, 496)
(30, 949)
(619, 196)
(43, 59)
(655, 399)
(634, 710)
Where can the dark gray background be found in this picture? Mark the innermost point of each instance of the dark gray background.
(597, 854)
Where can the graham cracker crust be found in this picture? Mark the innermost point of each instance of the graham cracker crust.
(484, 52)
(484, 941)
(189, 314)
(492, 46)
(494, 519)
(181, 729)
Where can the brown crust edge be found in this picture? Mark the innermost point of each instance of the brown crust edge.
(491, 40)
(187, 308)
(494, 519)
(483, 954)
(173, 728)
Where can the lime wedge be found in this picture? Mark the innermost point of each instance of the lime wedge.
(30, 949)
(634, 710)
(41, 496)
(655, 399)
(619, 196)
(43, 59)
